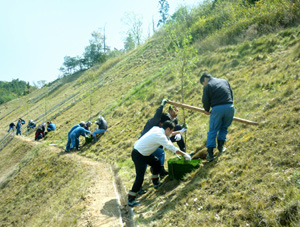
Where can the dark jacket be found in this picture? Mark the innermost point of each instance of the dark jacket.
(12, 124)
(40, 130)
(216, 92)
(102, 123)
(154, 121)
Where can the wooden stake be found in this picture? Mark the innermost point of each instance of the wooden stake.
(203, 111)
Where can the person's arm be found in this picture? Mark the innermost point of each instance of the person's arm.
(206, 99)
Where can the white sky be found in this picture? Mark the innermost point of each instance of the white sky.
(36, 35)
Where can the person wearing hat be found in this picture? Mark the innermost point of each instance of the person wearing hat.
(102, 127)
(142, 155)
(50, 126)
(68, 146)
(74, 136)
(11, 126)
(217, 102)
(31, 125)
(88, 125)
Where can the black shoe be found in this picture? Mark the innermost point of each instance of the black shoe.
(132, 202)
(210, 156)
(221, 147)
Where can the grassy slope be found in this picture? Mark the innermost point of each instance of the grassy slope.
(255, 182)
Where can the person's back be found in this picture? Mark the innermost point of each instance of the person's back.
(51, 127)
(216, 92)
(102, 124)
(79, 131)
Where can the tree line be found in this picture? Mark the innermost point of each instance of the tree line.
(98, 52)
(14, 89)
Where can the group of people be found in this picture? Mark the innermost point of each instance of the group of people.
(83, 129)
(160, 132)
(41, 130)
(217, 101)
(12, 126)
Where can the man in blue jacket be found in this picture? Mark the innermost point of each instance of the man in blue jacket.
(217, 102)
(51, 126)
(81, 124)
(74, 136)
(18, 127)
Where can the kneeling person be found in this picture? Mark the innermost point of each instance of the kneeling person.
(142, 155)
(102, 127)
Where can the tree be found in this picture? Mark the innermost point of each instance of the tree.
(129, 43)
(134, 24)
(163, 11)
(94, 53)
(182, 51)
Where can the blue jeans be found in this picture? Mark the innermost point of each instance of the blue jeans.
(221, 118)
(74, 141)
(160, 154)
(19, 131)
(68, 143)
(11, 127)
(98, 132)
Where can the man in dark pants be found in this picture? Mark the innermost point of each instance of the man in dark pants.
(157, 120)
(217, 95)
(142, 155)
(176, 138)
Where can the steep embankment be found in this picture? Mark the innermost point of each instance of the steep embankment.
(40, 186)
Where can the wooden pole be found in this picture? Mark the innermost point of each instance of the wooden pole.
(203, 111)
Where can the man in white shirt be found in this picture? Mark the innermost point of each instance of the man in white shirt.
(142, 155)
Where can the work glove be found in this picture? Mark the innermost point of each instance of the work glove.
(182, 130)
(164, 101)
(185, 125)
(187, 157)
(177, 137)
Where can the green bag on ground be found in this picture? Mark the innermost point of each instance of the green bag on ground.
(179, 167)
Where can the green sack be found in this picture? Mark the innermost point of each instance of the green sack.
(179, 167)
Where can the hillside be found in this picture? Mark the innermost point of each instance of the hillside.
(255, 183)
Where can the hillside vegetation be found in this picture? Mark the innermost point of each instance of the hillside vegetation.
(14, 89)
(256, 182)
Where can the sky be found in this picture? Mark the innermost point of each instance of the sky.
(36, 35)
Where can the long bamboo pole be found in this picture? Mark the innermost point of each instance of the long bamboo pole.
(203, 111)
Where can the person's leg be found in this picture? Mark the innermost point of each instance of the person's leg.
(214, 126)
(77, 143)
(140, 169)
(98, 132)
(227, 120)
(160, 154)
(68, 143)
(73, 141)
(155, 164)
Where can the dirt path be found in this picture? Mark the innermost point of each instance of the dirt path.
(101, 198)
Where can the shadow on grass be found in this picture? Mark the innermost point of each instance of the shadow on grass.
(170, 201)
